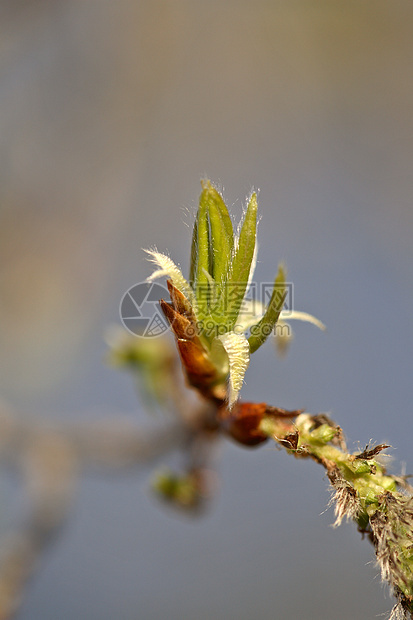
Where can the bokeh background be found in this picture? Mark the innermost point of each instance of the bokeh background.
(110, 113)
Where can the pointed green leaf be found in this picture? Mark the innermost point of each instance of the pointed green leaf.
(261, 330)
(204, 255)
(240, 266)
(222, 234)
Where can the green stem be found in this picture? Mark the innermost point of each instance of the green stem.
(363, 491)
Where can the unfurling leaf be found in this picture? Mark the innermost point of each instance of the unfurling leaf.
(240, 269)
(261, 330)
(222, 234)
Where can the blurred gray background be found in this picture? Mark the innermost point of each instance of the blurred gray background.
(110, 113)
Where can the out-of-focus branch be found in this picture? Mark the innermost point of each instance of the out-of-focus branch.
(49, 459)
(49, 468)
(112, 443)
